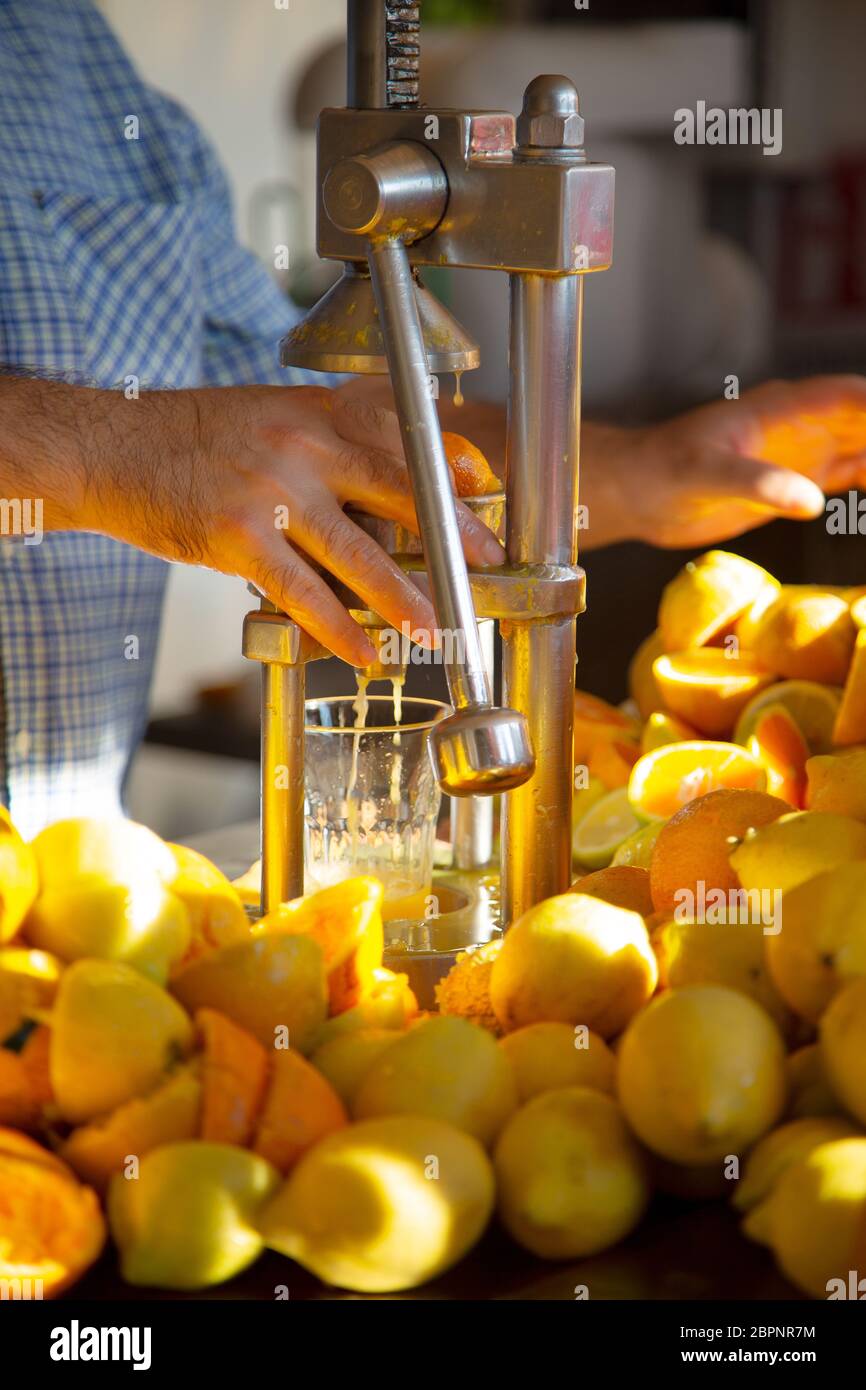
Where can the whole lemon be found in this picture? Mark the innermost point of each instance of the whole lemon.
(188, 1219)
(19, 877)
(383, 1205)
(779, 1149)
(105, 891)
(571, 1179)
(548, 1056)
(796, 847)
(843, 1047)
(573, 959)
(822, 941)
(701, 1074)
(346, 1058)
(815, 1217)
(446, 1068)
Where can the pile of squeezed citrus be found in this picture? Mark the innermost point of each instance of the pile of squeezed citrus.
(689, 1018)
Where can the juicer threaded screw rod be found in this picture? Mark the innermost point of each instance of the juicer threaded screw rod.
(402, 52)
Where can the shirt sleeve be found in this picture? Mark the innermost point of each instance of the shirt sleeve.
(245, 314)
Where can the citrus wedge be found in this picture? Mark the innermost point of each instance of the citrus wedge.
(637, 850)
(850, 726)
(667, 778)
(813, 708)
(602, 830)
(781, 749)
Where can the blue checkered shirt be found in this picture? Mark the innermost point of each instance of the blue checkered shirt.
(117, 258)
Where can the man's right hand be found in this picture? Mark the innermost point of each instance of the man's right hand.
(245, 480)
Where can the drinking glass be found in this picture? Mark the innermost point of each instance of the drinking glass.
(371, 800)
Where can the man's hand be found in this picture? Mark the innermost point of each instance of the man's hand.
(728, 467)
(704, 476)
(249, 481)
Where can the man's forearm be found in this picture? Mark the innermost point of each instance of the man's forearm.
(41, 446)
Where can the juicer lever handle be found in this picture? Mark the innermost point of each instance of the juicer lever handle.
(479, 749)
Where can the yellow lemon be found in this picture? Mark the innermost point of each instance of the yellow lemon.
(446, 1068)
(701, 1074)
(837, 782)
(346, 1059)
(188, 1220)
(805, 634)
(19, 878)
(721, 951)
(708, 595)
(570, 1178)
(264, 984)
(216, 912)
(573, 959)
(780, 1148)
(115, 1034)
(822, 941)
(384, 1205)
(810, 1095)
(843, 1047)
(548, 1056)
(796, 847)
(813, 1217)
(106, 892)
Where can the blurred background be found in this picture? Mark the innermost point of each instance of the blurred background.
(726, 261)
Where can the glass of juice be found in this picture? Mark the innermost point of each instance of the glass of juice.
(371, 800)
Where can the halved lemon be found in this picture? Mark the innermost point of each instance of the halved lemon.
(858, 611)
(599, 833)
(667, 778)
(707, 596)
(812, 707)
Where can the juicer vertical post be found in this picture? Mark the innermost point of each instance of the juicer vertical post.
(282, 784)
(538, 657)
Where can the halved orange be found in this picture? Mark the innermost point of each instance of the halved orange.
(472, 474)
(669, 777)
(709, 687)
